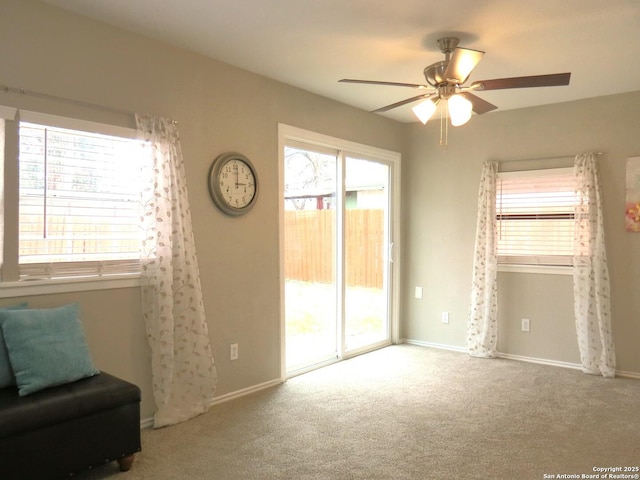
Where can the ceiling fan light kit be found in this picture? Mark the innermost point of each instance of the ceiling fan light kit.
(425, 110)
(446, 79)
(459, 110)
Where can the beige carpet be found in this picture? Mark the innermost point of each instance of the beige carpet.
(406, 412)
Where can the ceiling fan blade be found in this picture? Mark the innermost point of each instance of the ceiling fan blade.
(551, 80)
(403, 102)
(462, 62)
(480, 106)
(392, 84)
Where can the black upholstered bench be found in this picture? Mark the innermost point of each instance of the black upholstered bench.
(60, 431)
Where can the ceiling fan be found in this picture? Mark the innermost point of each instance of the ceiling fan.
(446, 80)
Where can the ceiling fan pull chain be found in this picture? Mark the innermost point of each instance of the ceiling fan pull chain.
(444, 130)
(440, 126)
(446, 133)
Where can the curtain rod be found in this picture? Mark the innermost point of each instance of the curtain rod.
(554, 157)
(46, 96)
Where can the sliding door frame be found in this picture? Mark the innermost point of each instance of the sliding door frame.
(292, 135)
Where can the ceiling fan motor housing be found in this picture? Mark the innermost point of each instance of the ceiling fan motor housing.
(434, 73)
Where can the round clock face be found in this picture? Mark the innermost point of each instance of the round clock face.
(233, 184)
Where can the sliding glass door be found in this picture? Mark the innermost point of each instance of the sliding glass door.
(311, 300)
(366, 250)
(337, 239)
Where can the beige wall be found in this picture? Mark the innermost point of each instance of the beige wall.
(440, 193)
(219, 108)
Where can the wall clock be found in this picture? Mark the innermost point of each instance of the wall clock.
(233, 184)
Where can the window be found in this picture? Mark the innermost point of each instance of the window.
(78, 198)
(535, 217)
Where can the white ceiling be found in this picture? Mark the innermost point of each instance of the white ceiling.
(311, 44)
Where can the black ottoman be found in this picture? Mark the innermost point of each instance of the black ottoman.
(63, 430)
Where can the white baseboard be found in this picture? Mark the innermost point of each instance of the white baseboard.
(622, 373)
(441, 346)
(520, 358)
(148, 422)
(245, 391)
(541, 361)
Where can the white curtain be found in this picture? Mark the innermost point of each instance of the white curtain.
(590, 273)
(482, 333)
(184, 374)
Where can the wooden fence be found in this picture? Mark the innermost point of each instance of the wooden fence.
(309, 246)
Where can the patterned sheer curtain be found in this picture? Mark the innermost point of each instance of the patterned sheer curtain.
(183, 368)
(482, 333)
(590, 273)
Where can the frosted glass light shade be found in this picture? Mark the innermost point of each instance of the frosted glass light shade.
(424, 110)
(459, 110)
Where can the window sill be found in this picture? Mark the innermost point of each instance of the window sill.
(65, 285)
(538, 269)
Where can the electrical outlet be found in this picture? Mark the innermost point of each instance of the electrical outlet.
(526, 325)
(418, 292)
(445, 317)
(233, 351)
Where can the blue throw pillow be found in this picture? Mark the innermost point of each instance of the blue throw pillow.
(46, 347)
(7, 378)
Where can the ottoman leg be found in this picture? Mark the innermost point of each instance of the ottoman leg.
(126, 462)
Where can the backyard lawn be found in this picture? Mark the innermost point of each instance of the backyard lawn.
(311, 319)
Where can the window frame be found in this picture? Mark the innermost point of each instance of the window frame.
(11, 284)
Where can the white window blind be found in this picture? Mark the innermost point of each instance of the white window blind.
(79, 207)
(535, 217)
